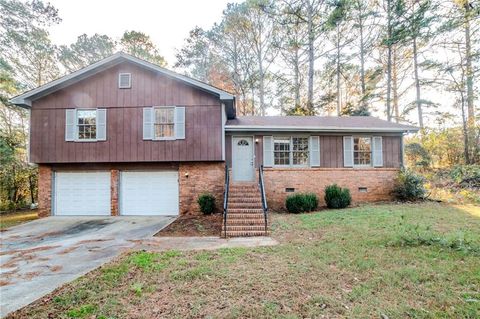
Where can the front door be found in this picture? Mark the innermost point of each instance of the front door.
(242, 159)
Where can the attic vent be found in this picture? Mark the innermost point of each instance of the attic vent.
(124, 80)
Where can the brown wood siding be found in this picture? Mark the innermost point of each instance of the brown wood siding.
(203, 128)
(392, 151)
(331, 151)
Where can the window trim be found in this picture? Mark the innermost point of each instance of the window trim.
(76, 134)
(291, 137)
(129, 80)
(370, 137)
(167, 138)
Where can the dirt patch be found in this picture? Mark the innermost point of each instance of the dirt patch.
(89, 241)
(23, 252)
(198, 225)
(55, 268)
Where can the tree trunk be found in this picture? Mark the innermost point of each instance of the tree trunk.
(339, 106)
(465, 131)
(395, 85)
(469, 69)
(417, 83)
(297, 77)
(311, 58)
(389, 60)
(469, 83)
(362, 62)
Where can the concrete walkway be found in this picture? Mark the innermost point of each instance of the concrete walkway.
(202, 243)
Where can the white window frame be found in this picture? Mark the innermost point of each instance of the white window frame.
(291, 137)
(371, 151)
(77, 135)
(167, 138)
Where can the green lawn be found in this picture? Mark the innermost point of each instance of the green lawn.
(395, 261)
(12, 219)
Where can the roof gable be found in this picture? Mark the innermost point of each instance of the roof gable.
(25, 99)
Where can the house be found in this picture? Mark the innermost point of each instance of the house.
(126, 137)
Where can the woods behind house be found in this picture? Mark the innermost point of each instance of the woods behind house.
(415, 61)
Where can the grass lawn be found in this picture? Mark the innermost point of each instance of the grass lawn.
(13, 219)
(391, 260)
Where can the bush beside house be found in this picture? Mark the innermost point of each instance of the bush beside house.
(301, 203)
(409, 185)
(337, 197)
(206, 202)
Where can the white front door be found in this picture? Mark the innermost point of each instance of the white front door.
(82, 193)
(242, 159)
(149, 193)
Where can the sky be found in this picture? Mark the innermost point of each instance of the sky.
(168, 22)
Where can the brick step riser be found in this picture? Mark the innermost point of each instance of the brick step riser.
(245, 222)
(244, 228)
(244, 200)
(245, 216)
(245, 205)
(245, 212)
(246, 234)
(244, 195)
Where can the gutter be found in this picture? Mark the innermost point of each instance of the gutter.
(239, 128)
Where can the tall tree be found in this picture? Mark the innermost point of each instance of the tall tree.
(85, 51)
(24, 42)
(140, 45)
(365, 16)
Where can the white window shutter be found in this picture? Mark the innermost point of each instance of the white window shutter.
(70, 125)
(268, 151)
(147, 123)
(101, 124)
(377, 151)
(348, 151)
(180, 123)
(314, 151)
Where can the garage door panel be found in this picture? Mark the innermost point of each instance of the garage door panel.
(82, 193)
(149, 193)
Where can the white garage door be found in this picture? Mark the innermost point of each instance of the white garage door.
(82, 193)
(149, 193)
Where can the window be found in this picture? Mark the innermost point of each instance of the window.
(242, 143)
(300, 150)
(290, 151)
(281, 151)
(362, 151)
(87, 124)
(164, 125)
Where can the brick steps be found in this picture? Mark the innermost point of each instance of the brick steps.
(234, 233)
(245, 212)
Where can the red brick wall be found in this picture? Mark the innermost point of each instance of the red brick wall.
(44, 190)
(379, 183)
(114, 173)
(202, 177)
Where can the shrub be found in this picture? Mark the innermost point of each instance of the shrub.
(466, 175)
(409, 185)
(300, 203)
(207, 203)
(337, 197)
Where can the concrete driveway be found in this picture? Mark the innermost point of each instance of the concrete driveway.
(38, 257)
